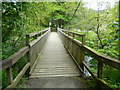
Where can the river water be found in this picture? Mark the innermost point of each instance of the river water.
(87, 61)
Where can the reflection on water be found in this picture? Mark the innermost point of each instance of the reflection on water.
(87, 61)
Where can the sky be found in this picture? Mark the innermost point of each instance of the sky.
(93, 4)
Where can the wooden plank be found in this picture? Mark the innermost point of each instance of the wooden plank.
(109, 61)
(42, 67)
(50, 56)
(14, 58)
(60, 65)
(59, 68)
(55, 75)
(56, 71)
(34, 65)
(54, 61)
(74, 60)
(39, 38)
(19, 76)
(34, 47)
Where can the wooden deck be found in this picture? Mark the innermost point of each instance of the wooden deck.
(55, 60)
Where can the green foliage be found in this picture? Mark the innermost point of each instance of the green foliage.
(21, 18)
(4, 79)
(112, 76)
(91, 83)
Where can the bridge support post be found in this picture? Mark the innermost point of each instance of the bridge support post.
(82, 54)
(9, 75)
(73, 36)
(99, 73)
(28, 55)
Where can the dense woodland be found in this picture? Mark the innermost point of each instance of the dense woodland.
(100, 27)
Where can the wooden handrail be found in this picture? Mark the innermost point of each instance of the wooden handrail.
(10, 61)
(14, 58)
(83, 48)
(107, 60)
(36, 40)
(37, 33)
(72, 32)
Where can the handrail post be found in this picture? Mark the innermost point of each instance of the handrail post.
(68, 33)
(99, 73)
(82, 54)
(28, 53)
(73, 36)
(83, 40)
(9, 75)
(27, 39)
(27, 44)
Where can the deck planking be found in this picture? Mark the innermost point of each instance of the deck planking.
(54, 60)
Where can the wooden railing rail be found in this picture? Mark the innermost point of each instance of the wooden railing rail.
(77, 50)
(36, 46)
(37, 33)
(9, 62)
(32, 49)
(74, 34)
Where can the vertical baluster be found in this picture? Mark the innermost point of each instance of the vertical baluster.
(73, 43)
(27, 39)
(68, 41)
(28, 53)
(83, 40)
(9, 75)
(73, 36)
(82, 53)
(27, 44)
(99, 73)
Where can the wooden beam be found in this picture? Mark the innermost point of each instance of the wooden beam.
(9, 75)
(27, 40)
(37, 33)
(83, 40)
(71, 32)
(86, 66)
(74, 59)
(82, 56)
(19, 76)
(14, 58)
(107, 60)
(100, 81)
(39, 38)
(99, 73)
